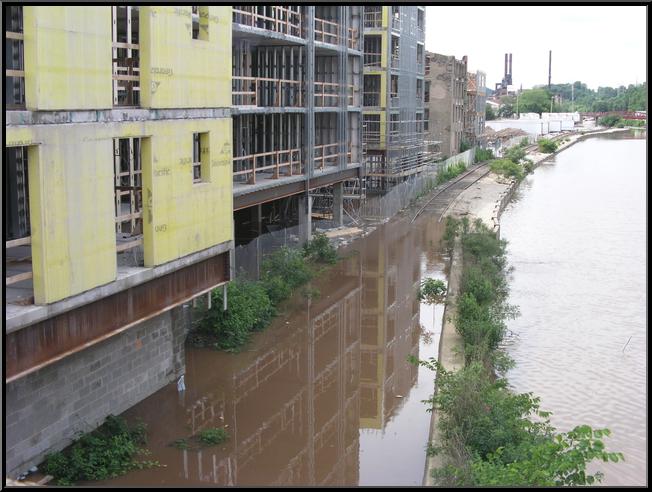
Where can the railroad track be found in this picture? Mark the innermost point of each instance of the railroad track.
(442, 199)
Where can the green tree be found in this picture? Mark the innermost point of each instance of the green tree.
(490, 114)
(534, 101)
(507, 107)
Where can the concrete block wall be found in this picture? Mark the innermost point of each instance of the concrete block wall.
(46, 409)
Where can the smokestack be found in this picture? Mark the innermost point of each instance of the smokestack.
(505, 65)
(509, 79)
(549, 67)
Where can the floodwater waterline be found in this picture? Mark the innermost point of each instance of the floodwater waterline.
(324, 395)
(576, 231)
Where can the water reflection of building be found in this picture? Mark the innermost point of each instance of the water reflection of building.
(293, 410)
(390, 322)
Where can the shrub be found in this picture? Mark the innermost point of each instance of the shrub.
(432, 291)
(610, 120)
(482, 155)
(105, 453)
(450, 172)
(283, 271)
(319, 249)
(524, 142)
(464, 146)
(507, 167)
(491, 436)
(514, 154)
(249, 309)
(547, 146)
(213, 436)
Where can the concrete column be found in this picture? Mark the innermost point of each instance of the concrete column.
(257, 218)
(305, 216)
(338, 203)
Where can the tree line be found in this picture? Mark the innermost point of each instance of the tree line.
(564, 98)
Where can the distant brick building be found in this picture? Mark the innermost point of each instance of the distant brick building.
(476, 100)
(446, 88)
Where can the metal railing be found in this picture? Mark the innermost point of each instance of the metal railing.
(327, 94)
(328, 155)
(353, 39)
(265, 92)
(282, 20)
(327, 31)
(274, 161)
(372, 60)
(373, 19)
(371, 98)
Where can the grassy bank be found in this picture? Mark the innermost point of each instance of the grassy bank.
(253, 304)
(488, 434)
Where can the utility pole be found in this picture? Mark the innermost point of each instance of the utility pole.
(551, 99)
(573, 97)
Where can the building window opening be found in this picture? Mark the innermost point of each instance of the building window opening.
(128, 194)
(126, 56)
(18, 250)
(14, 58)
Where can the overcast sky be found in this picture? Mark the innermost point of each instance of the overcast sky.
(599, 45)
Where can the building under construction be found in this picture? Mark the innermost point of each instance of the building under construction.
(135, 158)
(393, 94)
(296, 114)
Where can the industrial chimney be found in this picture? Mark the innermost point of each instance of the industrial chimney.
(549, 67)
(509, 77)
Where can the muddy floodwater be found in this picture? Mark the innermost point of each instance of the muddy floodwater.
(577, 240)
(325, 395)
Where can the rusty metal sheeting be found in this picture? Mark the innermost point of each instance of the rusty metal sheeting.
(42, 343)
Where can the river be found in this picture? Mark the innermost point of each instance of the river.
(324, 396)
(577, 240)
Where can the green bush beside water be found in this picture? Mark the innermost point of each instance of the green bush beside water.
(107, 452)
(489, 435)
(508, 168)
(547, 146)
(252, 305)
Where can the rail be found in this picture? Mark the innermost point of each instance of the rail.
(328, 157)
(372, 60)
(484, 168)
(327, 31)
(126, 74)
(266, 92)
(282, 20)
(15, 40)
(15, 243)
(275, 161)
(327, 94)
(371, 98)
(373, 19)
(353, 39)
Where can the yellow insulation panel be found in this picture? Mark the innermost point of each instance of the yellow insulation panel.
(67, 57)
(178, 71)
(181, 217)
(71, 209)
(71, 187)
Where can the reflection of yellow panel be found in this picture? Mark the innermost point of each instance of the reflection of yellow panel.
(71, 191)
(178, 71)
(67, 57)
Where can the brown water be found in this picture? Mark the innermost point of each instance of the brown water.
(577, 240)
(324, 395)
